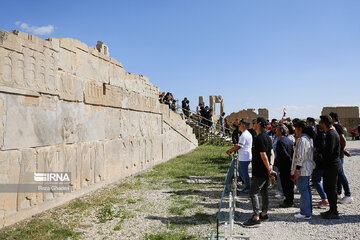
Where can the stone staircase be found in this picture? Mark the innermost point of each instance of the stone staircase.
(204, 133)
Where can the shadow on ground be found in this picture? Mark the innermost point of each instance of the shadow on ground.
(354, 152)
(196, 219)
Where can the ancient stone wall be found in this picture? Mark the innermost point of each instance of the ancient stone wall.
(348, 115)
(248, 114)
(67, 107)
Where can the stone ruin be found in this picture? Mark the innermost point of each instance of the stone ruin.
(213, 100)
(67, 107)
(348, 115)
(248, 114)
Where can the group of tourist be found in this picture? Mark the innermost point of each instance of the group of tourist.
(185, 105)
(168, 99)
(298, 153)
(205, 115)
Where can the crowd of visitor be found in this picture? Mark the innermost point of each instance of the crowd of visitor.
(297, 154)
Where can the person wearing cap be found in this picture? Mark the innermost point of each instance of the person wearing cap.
(262, 168)
(244, 147)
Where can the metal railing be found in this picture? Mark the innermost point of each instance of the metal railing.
(195, 114)
(229, 193)
(201, 126)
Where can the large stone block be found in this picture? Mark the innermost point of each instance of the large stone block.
(94, 93)
(2, 119)
(72, 164)
(92, 127)
(26, 176)
(33, 120)
(70, 87)
(9, 174)
(114, 157)
(29, 69)
(112, 123)
(50, 159)
(117, 76)
(88, 156)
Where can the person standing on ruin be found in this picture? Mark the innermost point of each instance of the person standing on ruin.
(331, 164)
(198, 112)
(262, 162)
(244, 147)
(183, 105)
(342, 180)
(222, 122)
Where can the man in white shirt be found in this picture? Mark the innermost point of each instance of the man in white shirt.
(244, 153)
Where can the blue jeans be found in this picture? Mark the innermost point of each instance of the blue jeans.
(244, 172)
(278, 181)
(316, 179)
(343, 182)
(303, 184)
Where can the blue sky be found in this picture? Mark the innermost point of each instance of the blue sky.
(302, 55)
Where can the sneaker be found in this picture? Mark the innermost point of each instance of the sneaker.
(346, 200)
(300, 216)
(252, 223)
(330, 215)
(323, 204)
(339, 196)
(286, 205)
(279, 196)
(263, 218)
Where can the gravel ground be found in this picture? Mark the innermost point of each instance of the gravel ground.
(150, 214)
(144, 207)
(282, 224)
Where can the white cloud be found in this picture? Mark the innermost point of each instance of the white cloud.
(41, 30)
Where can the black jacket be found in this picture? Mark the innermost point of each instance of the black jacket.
(284, 152)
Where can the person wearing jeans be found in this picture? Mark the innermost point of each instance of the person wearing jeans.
(342, 180)
(303, 166)
(243, 170)
(244, 148)
(262, 160)
(343, 183)
(303, 184)
(318, 173)
(316, 180)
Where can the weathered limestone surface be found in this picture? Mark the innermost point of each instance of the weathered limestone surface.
(348, 115)
(67, 107)
(248, 114)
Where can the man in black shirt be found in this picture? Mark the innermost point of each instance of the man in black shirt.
(332, 166)
(342, 180)
(262, 162)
